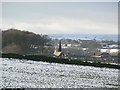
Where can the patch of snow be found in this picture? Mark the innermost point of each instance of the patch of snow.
(31, 74)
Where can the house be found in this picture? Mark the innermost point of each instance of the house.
(57, 54)
(105, 55)
(109, 50)
(113, 46)
(101, 55)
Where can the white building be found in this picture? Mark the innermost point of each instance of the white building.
(109, 50)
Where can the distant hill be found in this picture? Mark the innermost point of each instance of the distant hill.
(23, 42)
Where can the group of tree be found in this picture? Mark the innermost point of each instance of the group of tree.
(23, 42)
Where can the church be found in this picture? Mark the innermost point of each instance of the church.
(58, 53)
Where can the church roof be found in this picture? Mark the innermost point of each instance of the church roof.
(57, 53)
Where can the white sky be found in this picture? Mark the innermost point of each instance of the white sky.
(61, 17)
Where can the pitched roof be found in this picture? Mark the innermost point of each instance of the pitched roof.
(57, 53)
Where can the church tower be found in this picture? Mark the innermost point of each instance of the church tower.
(58, 53)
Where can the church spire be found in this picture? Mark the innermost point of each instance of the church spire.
(60, 48)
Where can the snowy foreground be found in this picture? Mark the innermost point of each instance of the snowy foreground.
(31, 74)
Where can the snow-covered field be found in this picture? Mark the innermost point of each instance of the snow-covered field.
(31, 74)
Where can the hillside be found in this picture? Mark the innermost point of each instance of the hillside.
(23, 42)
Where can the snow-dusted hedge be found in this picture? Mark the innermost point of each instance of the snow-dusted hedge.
(58, 60)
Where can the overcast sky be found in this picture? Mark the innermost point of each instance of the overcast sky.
(61, 17)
